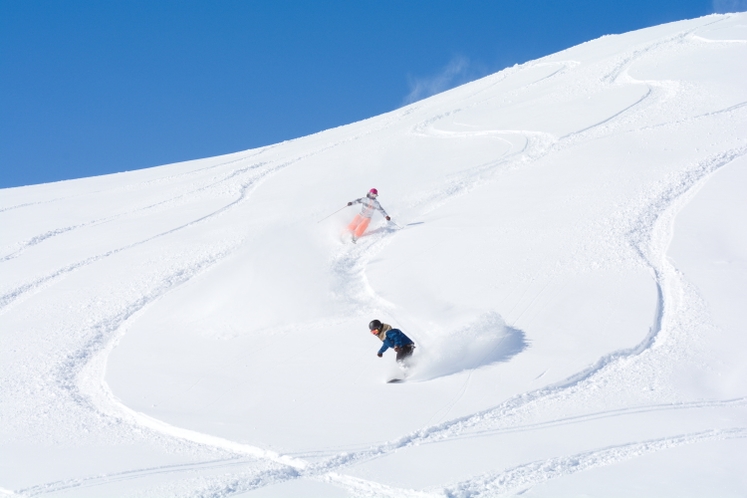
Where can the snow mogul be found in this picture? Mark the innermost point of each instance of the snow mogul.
(392, 338)
(362, 220)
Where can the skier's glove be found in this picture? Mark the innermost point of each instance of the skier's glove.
(350, 203)
(388, 218)
(379, 355)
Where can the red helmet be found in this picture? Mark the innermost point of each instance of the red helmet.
(373, 191)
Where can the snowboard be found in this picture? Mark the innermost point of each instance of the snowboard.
(398, 374)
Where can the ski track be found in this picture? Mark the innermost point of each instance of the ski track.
(648, 236)
(161, 180)
(351, 265)
(519, 479)
(267, 169)
(536, 145)
(54, 487)
(81, 374)
(170, 201)
(655, 228)
(642, 237)
(38, 284)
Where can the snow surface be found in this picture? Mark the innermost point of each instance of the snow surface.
(569, 254)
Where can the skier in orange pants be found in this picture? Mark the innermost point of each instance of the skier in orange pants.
(362, 220)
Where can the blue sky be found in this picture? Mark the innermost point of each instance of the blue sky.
(88, 88)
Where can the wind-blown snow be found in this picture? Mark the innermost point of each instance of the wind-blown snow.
(568, 253)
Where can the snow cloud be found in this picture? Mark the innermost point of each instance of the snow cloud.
(457, 72)
(726, 6)
(486, 340)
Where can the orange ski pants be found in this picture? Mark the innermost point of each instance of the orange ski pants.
(358, 225)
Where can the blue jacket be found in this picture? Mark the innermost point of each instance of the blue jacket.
(394, 338)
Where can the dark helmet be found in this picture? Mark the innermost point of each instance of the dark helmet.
(374, 325)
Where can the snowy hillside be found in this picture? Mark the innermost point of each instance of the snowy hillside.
(568, 253)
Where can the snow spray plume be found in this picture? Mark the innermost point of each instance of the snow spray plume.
(486, 340)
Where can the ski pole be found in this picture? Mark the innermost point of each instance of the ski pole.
(343, 207)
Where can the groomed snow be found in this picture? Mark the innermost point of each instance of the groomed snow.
(569, 254)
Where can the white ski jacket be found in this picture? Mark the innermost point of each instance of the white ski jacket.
(369, 206)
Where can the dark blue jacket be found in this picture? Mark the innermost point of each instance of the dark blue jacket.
(394, 338)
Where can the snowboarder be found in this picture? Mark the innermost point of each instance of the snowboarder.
(361, 220)
(392, 338)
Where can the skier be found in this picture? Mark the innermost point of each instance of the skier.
(392, 338)
(361, 221)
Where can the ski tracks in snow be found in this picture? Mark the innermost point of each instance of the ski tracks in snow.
(255, 172)
(514, 481)
(649, 236)
(81, 374)
(645, 362)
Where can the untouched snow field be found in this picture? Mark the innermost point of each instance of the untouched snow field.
(569, 255)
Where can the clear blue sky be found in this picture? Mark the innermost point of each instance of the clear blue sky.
(93, 87)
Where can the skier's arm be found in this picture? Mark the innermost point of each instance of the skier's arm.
(357, 201)
(382, 211)
(380, 208)
(387, 344)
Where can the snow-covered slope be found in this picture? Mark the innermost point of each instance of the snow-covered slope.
(569, 255)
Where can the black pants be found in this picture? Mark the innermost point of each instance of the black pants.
(405, 352)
